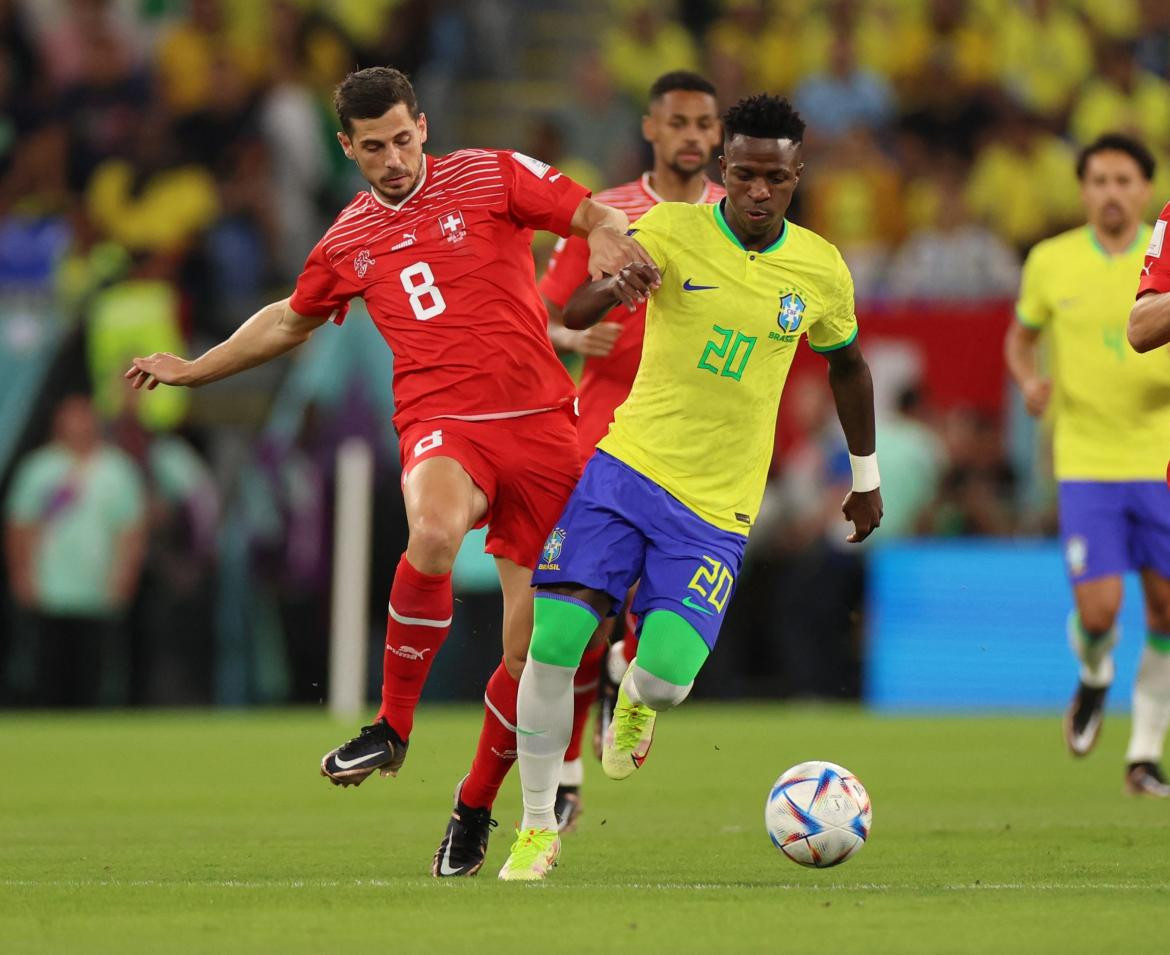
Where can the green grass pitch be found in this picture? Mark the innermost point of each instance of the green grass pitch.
(193, 832)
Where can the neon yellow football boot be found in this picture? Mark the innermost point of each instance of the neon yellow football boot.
(629, 735)
(533, 853)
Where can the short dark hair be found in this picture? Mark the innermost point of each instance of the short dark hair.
(367, 94)
(763, 117)
(680, 80)
(1118, 142)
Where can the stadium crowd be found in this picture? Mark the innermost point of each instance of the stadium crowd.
(165, 165)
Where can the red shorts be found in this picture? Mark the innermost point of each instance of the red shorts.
(527, 467)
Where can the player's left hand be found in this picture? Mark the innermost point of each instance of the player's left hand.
(633, 284)
(610, 249)
(864, 509)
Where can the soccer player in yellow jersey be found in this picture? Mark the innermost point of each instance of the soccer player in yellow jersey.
(1111, 415)
(674, 487)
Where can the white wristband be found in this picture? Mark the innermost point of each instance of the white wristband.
(865, 472)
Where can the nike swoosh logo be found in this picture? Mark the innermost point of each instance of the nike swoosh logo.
(688, 287)
(350, 763)
(687, 602)
(523, 732)
(445, 867)
(553, 179)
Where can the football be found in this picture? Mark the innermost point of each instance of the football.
(818, 814)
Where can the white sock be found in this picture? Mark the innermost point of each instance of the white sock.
(1094, 653)
(572, 772)
(544, 720)
(642, 686)
(1151, 707)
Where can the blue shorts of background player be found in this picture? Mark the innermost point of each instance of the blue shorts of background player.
(619, 527)
(1110, 527)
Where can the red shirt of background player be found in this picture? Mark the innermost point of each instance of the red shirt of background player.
(605, 382)
(448, 278)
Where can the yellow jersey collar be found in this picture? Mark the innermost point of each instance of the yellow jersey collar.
(721, 222)
(1141, 237)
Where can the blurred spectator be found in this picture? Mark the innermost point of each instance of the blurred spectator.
(978, 488)
(1122, 97)
(176, 597)
(955, 258)
(844, 96)
(188, 57)
(1153, 43)
(1022, 184)
(598, 123)
(85, 32)
(742, 51)
(74, 542)
(1044, 54)
(912, 460)
(643, 45)
(854, 195)
(156, 202)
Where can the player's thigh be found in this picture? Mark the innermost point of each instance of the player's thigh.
(594, 545)
(691, 571)
(447, 487)
(1094, 532)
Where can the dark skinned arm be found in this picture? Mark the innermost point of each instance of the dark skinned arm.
(630, 286)
(852, 388)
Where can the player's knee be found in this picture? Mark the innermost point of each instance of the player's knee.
(1098, 618)
(514, 663)
(434, 542)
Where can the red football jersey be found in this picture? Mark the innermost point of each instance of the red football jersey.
(448, 277)
(605, 382)
(1156, 274)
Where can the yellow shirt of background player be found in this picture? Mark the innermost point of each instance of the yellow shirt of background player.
(721, 333)
(1111, 406)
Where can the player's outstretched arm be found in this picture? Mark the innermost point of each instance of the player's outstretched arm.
(853, 393)
(609, 247)
(272, 331)
(1149, 322)
(1019, 351)
(631, 285)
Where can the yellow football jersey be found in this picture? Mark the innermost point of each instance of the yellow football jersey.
(1111, 406)
(721, 332)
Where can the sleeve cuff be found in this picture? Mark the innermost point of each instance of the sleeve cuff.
(822, 349)
(331, 313)
(1027, 322)
(567, 207)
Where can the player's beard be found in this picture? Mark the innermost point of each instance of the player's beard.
(403, 192)
(689, 170)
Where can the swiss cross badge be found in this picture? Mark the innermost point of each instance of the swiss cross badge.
(452, 227)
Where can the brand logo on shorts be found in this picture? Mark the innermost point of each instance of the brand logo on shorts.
(1076, 555)
(552, 550)
(362, 262)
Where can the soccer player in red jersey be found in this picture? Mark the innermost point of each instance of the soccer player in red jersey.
(683, 129)
(1149, 319)
(438, 248)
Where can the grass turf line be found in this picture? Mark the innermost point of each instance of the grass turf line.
(211, 832)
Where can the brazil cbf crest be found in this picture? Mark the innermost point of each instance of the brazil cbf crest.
(791, 311)
(552, 550)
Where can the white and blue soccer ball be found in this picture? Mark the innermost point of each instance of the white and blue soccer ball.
(818, 814)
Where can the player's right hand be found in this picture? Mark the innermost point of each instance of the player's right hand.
(633, 283)
(159, 368)
(598, 341)
(1037, 392)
